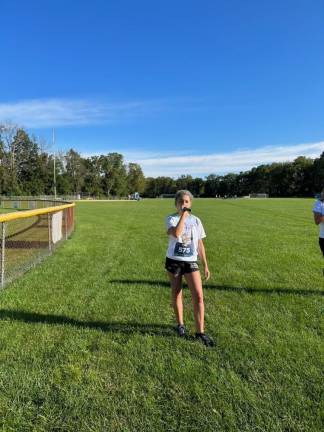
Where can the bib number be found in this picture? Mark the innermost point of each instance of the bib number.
(183, 250)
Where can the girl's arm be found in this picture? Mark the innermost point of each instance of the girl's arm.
(202, 256)
(318, 218)
(177, 230)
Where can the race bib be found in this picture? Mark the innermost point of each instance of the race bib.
(183, 250)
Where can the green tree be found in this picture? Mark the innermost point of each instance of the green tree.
(197, 186)
(184, 182)
(150, 187)
(75, 170)
(92, 179)
(212, 185)
(114, 179)
(228, 185)
(303, 176)
(135, 178)
(259, 179)
(318, 173)
(281, 179)
(7, 133)
(27, 164)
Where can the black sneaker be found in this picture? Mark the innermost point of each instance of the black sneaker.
(205, 339)
(181, 330)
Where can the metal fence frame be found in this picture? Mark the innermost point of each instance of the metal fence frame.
(67, 209)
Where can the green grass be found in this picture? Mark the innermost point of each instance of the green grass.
(86, 339)
(7, 210)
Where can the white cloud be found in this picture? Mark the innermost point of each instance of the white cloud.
(220, 163)
(39, 113)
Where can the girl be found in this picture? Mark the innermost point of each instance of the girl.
(185, 233)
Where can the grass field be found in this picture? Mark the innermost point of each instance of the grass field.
(86, 338)
(7, 210)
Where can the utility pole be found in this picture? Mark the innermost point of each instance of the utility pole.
(54, 164)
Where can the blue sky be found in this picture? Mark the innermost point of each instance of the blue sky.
(182, 87)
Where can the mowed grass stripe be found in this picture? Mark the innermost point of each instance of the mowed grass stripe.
(87, 342)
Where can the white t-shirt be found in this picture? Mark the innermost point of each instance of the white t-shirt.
(185, 247)
(319, 208)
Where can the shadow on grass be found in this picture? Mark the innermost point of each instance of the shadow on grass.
(250, 290)
(118, 327)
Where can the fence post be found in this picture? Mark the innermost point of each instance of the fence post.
(65, 223)
(49, 232)
(3, 245)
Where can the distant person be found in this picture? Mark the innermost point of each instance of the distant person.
(318, 210)
(185, 233)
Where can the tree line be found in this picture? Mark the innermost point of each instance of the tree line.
(304, 177)
(26, 168)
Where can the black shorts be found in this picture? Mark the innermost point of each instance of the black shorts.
(180, 267)
(321, 243)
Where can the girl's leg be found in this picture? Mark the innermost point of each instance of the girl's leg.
(195, 286)
(176, 295)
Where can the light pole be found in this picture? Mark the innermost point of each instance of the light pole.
(54, 175)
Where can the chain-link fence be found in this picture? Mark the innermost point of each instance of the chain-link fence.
(28, 203)
(30, 230)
